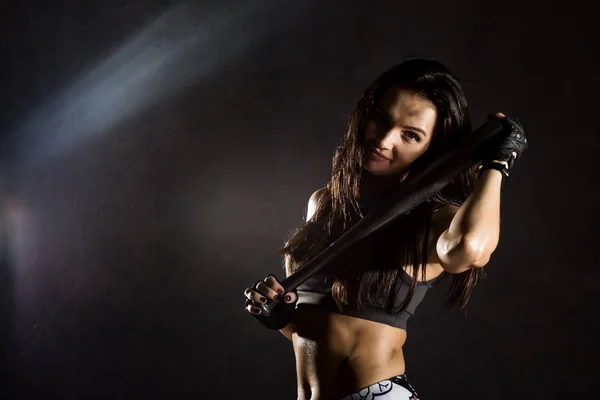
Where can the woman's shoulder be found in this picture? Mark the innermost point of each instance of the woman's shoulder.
(314, 201)
(318, 194)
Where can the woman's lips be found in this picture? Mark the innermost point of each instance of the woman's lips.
(378, 155)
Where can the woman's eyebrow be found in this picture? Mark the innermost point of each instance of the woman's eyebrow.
(379, 109)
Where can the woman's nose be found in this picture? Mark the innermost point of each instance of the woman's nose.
(389, 138)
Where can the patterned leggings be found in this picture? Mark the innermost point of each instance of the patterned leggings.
(396, 388)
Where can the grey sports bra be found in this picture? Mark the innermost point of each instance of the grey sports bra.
(316, 291)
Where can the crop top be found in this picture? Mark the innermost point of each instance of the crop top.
(316, 291)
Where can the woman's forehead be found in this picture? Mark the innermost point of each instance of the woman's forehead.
(408, 107)
(406, 98)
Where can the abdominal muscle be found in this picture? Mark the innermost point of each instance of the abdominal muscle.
(336, 354)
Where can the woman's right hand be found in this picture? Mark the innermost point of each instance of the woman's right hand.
(268, 288)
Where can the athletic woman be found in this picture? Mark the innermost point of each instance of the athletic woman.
(349, 324)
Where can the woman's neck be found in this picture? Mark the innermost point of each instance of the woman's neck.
(373, 188)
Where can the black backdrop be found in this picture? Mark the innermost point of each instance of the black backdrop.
(154, 154)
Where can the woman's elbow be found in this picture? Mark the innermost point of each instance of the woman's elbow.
(464, 255)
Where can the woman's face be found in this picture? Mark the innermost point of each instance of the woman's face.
(399, 129)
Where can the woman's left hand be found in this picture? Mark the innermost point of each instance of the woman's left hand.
(511, 148)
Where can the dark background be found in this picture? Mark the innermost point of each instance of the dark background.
(154, 154)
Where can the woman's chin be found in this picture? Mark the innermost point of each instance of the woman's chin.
(382, 172)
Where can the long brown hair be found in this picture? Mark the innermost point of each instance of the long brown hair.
(339, 206)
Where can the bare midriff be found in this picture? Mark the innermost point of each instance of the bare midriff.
(336, 354)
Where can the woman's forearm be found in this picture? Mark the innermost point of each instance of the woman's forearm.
(475, 228)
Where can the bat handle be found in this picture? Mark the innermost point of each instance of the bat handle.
(275, 314)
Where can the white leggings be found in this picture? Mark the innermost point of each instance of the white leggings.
(396, 388)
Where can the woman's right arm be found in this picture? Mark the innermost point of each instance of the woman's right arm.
(310, 211)
(289, 328)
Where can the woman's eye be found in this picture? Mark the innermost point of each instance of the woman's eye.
(413, 136)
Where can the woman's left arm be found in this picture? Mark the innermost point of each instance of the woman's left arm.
(473, 229)
(468, 235)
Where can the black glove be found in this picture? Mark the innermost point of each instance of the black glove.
(271, 312)
(501, 155)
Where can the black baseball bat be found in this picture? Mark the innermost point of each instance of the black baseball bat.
(438, 169)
